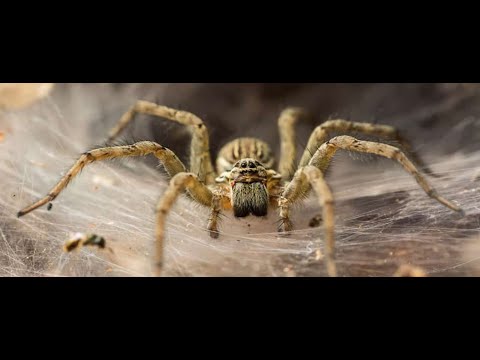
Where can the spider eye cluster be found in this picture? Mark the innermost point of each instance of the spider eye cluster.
(247, 164)
(248, 171)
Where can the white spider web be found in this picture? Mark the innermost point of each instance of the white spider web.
(383, 218)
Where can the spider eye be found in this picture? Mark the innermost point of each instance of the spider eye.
(244, 164)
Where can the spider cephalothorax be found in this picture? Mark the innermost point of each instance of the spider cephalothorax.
(246, 180)
(245, 164)
(250, 182)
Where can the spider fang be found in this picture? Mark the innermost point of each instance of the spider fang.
(249, 198)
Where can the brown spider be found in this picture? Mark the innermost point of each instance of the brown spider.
(245, 180)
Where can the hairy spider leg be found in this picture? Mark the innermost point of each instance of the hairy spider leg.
(200, 159)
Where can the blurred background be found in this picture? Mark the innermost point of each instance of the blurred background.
(232, 110)
(384, 221)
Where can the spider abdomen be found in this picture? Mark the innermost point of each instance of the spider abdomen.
(242, 148)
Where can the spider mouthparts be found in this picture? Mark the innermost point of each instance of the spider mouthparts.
(249, 198)
(248, 179)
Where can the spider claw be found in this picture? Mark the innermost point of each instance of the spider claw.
(284, 227)
(157, 268)
(331, 268)
(214, 234)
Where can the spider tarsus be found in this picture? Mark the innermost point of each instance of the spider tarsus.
(331, 267)
(455, 208)
(461, 212)
(214, 234)
(285, 227)
(29, 209)
(157, 268)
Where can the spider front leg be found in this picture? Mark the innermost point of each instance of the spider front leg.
(304, 179)
(200, 160)
(321, 134)
(322, 157)
(178, 184)
(169, 160)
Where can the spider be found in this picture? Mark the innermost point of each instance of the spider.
(245, 180)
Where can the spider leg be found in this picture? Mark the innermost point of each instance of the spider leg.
(178, 184)
(288, 148)
(321, 134)
(169, 160)
(304, 178)
(321, 159)
(213, 219)
(200, 160)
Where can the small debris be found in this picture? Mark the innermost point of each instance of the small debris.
(315, 221)
(79, 239)
(406, 270)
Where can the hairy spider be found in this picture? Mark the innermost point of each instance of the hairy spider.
(245, 180)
